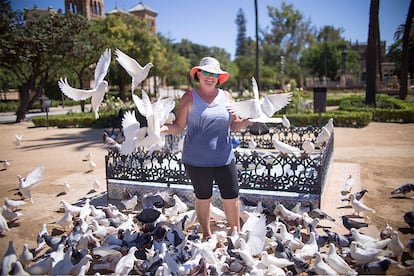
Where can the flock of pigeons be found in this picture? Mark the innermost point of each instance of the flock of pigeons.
(157, 234)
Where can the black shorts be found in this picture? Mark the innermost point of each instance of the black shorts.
(225, 177)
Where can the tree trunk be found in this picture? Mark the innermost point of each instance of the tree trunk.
(371, 62)
(24, 103)
(405, 55)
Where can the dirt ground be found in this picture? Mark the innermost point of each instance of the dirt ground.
(385, 153)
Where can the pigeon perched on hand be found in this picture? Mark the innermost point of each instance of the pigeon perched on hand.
(133, 68)
(100, 85)
(260, 110)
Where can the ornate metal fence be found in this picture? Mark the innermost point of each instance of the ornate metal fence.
(262, 168)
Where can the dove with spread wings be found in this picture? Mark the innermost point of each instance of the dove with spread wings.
(260, 110)
(134, 69)
(32, 180)
(157, 114)
(100, 87)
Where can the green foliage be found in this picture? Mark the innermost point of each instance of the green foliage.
(389, 109)
(341, 118)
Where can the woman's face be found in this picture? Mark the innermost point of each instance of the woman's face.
(207, 79)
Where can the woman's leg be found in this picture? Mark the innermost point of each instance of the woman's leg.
(202, 207)
(232, 210)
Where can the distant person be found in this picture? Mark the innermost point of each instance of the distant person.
(207, 151)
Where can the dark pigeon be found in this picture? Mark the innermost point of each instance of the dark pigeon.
(409, 218)
(148, 215)
(404, 189)
(258, 128)
(374, 268)
(339, 240)
(350, 223)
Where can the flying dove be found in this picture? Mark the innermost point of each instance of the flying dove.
(32, 180)
(100, 85)
(260, 110)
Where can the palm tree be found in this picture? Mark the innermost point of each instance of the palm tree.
(405, 53)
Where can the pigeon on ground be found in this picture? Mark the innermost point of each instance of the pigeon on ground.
(357, 195)
(65, 220)
(6, 164)
(337, 262)
(363, 255)
(318, 213)
(3, 224)
(8, 260)
(13, 204)
(26, 256)
(92, 165)
(359, 206)
(348, 185)
(32, 180)
(8, 214)
(97, 93)
(409, 218)
(133, 68)
(260, 110)
(396, 245)
(18, 140)
(309, 248)
(322, 268)
(87, 156)
(323, 136)
(350, 223)
(41, 267)
(285, 121)
(404, 189)
(338, 240)
(126, 263)
(374, 268)
(130, 204)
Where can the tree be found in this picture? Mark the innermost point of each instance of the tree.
(372, 48)
(241, 34)
(31, 52)
(405, 56)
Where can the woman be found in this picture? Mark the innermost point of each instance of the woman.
(207, 151)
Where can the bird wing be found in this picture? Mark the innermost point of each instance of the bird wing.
(270, 104)
(74, 93)
(163, 108)
(244, 109)
(34, 178)
(133, 68)
(102, 67)
(130, 125)
(143, 105)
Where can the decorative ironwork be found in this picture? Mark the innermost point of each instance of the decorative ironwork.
(262, 168)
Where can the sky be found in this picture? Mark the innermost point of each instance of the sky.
(212, 23)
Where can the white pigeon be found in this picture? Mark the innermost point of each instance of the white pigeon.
(100, 85)
(308, 146)
(285, 148)
(42, 267)
(88, 156)
(156, 114)
(130, 204)
(8, 260)
(3, 224)
(361, 254)
(329, 125)
(252, 143)
(323, 136)
(82, 267)
(255, 230)
(13, 204)
(133, 68)
(260, 110)
(396, 245)
(285, 121)
(178, 208)
(74, 209)
(348, 185)
(309, 248)
(359, 206)
(18, 140)
(322, 268)
(126, 263)
(132, 132)
(26, 256)
(32, 180)
(8, 214)
(65, 220)
(92, 165)
(337, 262)
(269, 260)
(96, 185)
(40, 240)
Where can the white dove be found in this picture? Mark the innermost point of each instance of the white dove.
(156, 115)
(3, 224)
(323, 136)
(132, 132)
(13, 204)
(260, 110)
(8, 260)
(32, 180)
(285, 148)
(359, 206)
(361, 254)
(18, 140)
(26, 256)
(88, 156)
(130, 204)
(309, 248)
(6, 164)
(348, 185)
(126, 263)
(92, 165)
(178, 208)
(96, 185)
(65, 220)
(100, 85)
(396, 245)
(8, 214)
(337, 262)
(308, 146)
(322, 268)
(329, 125)
(133, 68)
(285, 121)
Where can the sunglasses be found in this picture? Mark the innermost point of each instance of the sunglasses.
(206, 74)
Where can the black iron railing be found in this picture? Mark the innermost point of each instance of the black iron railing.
(262, 168)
